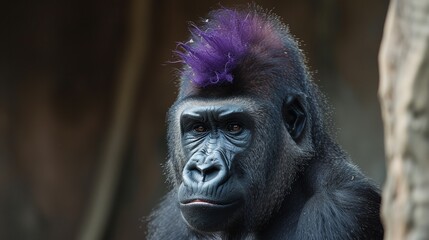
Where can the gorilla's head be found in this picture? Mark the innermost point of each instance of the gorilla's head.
(242, 126)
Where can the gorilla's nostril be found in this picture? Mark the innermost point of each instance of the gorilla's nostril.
(196, 176)
(210, 173)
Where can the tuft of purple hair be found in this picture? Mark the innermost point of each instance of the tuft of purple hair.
(216, 49)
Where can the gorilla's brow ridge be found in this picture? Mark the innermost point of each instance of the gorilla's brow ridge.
(216, 113)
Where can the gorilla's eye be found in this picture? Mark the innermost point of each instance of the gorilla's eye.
(200, 128)
(233, 127)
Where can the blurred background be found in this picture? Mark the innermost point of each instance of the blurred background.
(84, 90)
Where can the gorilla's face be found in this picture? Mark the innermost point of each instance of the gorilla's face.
(229, 151)
(213, 137)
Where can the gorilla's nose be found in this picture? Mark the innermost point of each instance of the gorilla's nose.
(209, 170)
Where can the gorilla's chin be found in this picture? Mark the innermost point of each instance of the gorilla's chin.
(204, 216)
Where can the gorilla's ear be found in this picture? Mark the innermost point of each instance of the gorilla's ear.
(294, 116)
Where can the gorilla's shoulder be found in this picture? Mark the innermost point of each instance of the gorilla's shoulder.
(344, 197)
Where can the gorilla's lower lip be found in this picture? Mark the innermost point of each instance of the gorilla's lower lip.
(207, 202)
(207, 216)
(199, 201)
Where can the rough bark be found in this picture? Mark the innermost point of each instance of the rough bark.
(404, 95)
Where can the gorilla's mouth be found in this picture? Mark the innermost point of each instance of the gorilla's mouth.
(207, 215)
(199, 201)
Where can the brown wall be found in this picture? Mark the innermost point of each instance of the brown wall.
(60, 64)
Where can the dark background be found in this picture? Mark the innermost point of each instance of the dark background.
(62, 66)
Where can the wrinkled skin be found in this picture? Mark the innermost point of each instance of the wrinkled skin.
(213, 136)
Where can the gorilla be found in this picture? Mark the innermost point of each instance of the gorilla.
(250, 153)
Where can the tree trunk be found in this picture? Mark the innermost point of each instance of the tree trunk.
(404, 96)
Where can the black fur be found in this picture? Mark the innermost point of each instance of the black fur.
(292, 180)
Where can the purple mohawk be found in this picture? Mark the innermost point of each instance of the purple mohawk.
(216, 49)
